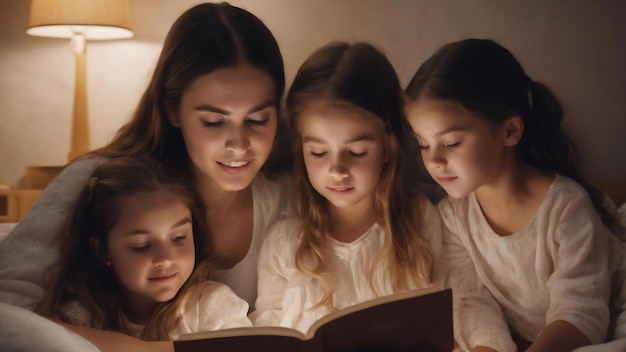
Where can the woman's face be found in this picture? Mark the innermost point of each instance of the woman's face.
(228, 119)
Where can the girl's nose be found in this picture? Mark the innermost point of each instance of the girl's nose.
(338, 169)
(434, 158)
(163, 256)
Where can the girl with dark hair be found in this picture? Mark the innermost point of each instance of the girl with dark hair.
(359, 232)
(128, 262)
(529, 252)
(210, 111)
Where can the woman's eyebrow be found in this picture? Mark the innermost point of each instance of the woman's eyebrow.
(216, 110)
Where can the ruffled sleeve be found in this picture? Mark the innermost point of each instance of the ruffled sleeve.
(580, 284)
(276, 261)
(214, 307)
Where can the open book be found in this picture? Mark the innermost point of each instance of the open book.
(419, 320)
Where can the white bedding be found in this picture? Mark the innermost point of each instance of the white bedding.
(5, 228)
(24, 331)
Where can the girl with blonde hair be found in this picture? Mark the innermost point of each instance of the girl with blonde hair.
(360, 231)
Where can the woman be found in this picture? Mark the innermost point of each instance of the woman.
(211, 111)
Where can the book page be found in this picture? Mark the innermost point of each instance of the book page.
(234, 332)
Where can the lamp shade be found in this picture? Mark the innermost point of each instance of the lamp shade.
(93, 19)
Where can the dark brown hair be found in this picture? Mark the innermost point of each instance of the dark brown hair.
(81, 274)
(486, 79)
(205, 38)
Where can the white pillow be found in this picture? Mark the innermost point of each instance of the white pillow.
(24, 331)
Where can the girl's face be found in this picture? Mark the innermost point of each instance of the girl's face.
(460, 150)
(151, 247)
(228, 119)
(344, 153)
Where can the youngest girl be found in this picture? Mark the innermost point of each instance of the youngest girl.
(359, 232)
(132, 245)
(529, 255)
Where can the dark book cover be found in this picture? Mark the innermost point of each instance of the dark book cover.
(411, 321)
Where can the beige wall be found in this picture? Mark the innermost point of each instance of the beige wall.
(578, 48)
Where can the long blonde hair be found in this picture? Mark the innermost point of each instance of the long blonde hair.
(359, 76)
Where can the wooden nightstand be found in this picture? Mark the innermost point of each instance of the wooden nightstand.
(14, 203)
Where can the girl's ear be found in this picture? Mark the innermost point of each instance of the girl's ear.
(513, 131)
(172, 115)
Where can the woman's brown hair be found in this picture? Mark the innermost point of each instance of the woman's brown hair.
(205, 38)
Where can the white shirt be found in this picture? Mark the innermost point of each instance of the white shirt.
(270, 203)
(287, 295)
(210, 306)
(556, 268)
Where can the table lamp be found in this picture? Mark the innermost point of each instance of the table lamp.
(80, 20)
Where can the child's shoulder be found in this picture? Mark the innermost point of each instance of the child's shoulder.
(452, 207)
(212, 291)
(211, 306)
(212, 294)
(564, 184)
(566, 192)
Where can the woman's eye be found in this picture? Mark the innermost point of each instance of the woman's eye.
(212, 124)
(423, 147)
(180, 238)
(452, 145)
(261, 122)
(317, 154)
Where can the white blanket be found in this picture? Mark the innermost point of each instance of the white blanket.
(5, 228)
(24, 331)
